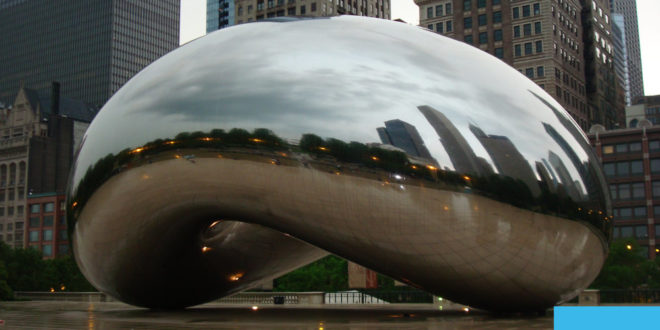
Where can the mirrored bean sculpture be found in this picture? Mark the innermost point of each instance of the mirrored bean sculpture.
(257, 149)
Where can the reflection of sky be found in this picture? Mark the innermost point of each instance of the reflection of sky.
(339, 77)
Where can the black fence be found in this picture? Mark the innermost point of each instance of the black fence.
(379, 296)
(640, 296)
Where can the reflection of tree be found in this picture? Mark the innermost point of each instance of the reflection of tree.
(332, 154)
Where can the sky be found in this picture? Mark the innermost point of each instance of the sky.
(193, 25)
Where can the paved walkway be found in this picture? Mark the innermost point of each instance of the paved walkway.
(113, 315)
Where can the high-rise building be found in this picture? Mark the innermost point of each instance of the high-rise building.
(224, 13)
(543, 39)
(628, 8)
(602, 86)
(91, 47)
(219, 14)
(621, 56)
(39, 133)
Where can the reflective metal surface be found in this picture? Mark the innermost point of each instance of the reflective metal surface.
(412, 154)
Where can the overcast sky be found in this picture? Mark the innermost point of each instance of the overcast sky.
(193, 25)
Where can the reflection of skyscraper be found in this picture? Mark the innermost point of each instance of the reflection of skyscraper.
(565, 177)
(461, 154)
(508, 160)
(404, 136)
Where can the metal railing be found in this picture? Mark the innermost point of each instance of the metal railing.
(379, 296)
(625, 296)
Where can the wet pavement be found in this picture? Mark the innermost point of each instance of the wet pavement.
(112, 315)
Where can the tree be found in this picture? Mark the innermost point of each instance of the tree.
(327, 274)
(627, 267)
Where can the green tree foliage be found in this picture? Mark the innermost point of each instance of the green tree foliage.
(327, 274)
(26, 270)
(627, 267)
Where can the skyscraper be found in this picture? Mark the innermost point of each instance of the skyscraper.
(224, 13)
(405, 136)
(628, 8)
(91, 47)
(543, 39)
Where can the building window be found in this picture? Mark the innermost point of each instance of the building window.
(483, 38)
(539, 46)
(527, 29)
(529, 72)
(63, 249)
(641, 232)
(540, 72)
(655, 165)
(302, 10)
(481, 4)
(516, 12)
(291, 11)
(468, 39)
(654, 145)
(537, 27)
(438, 27)
(499, 52)
(47, 250)
(528, 48)
(467, 5)
(448, 9)
(626, 231)
(313, 6)
(638, 190)
(497, 17)
(438, 10)
(467, 23)
(639, 212)
(63, 235)
(656, 189)
(516, 31)
(35, 208)
(516, 50)
(537, 9)
(48, 221)
(482, 19)
(430, 27)
(34, 236)
(497, 35)
(525, 10)
(429, 12)
(49, 207)
(35, 222)
(48, 235)
(448, 26)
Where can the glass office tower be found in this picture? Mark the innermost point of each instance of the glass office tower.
(91, 47)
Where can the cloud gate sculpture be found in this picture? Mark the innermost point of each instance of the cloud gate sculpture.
(262, 147)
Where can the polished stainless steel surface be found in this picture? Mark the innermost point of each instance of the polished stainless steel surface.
(247, 153)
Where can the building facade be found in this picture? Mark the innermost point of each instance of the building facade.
(224, 13)
(39, 133)
(628, 8)
(631, 162)
(645, 108)
(543, 39)
(91, 47)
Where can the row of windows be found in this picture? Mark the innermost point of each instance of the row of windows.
(628, 191)
(529, 72)
(623, 213)
(47, 207)
(10, 226)
(526, 10)
(47, 235)
(528, 47)
(527, 29)
(36, 222)
(467, 4)
(438, 10)
(633, 231)
(632, 147)
(47, 249)
(483, 19)
(19, 195)
(626, 168)
(439, 27)
(10, 211)
(483, 37)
